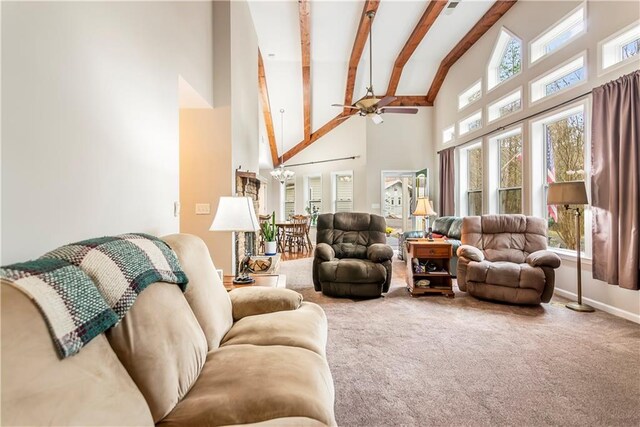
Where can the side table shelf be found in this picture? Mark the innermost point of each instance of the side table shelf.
(437, 252)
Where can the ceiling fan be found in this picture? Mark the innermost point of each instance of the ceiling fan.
(369, 105)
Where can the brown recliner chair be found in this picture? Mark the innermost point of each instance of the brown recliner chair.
(505, 258)
(352, 258)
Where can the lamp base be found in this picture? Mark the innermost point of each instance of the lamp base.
(244, 280)
(580, 307)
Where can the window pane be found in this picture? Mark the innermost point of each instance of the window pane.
(510, 108)
(474, 168)
(510, 201)
(344, 193)
(564, 81)
(563, 37)
(290, 200)
(511, 61)
(564, 145)
(474, 203)
(631, 49)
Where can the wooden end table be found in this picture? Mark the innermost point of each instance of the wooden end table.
(438, 252)
(266, 280)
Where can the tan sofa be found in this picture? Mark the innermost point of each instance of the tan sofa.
(505, 258)
(202, 358)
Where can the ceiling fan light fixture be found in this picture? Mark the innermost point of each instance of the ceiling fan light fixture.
(376, 118)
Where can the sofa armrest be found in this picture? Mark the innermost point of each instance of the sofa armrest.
(543, 258)
(251, 301)
(379, 252)
(324, 252)
(471, 253)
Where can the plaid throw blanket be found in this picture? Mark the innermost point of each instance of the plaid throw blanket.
(123, 266)
(72, 306)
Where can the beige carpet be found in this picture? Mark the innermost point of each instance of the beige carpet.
(436, 361)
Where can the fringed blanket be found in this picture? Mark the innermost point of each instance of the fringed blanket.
(85, 288)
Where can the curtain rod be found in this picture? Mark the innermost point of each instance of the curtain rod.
(324, 161)
(518, 121)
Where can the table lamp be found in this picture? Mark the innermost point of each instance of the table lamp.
(572, 193)
(424, 208)
(236, 214)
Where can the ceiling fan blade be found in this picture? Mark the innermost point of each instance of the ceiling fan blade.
(386, 101)
(399, 110)
(345, 106)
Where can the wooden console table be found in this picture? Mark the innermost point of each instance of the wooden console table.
(437, 252)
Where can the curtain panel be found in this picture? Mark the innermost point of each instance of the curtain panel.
(615, 181)
(447, 182)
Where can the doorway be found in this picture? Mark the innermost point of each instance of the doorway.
(400, 192)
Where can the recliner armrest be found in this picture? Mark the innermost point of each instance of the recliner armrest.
(324, 252)
(379, 252)
(471, 253)
(543, 258)
(251, 301)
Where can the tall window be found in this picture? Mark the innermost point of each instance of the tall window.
(506, 60)
(314, 194)
(510, 187)
(474, 181)
(344, 192)
(564, 139)
(289, 199)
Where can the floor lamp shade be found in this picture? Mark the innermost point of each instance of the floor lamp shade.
(567, 193)
(235, 214)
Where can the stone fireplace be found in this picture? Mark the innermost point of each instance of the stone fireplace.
(247, 185)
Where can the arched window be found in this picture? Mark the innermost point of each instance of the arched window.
(506, 59)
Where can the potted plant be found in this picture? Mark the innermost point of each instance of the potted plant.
(269, 235)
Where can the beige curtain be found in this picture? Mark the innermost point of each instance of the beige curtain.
(447, 182)
(615, 181)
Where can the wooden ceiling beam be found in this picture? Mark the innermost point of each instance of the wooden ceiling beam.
(266, 111)
(304, 10)
(411, 101)
(499, 8)
(429, 16)
(364, 27)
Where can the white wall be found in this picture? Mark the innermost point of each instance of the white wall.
(527, 20)
(402, 142)
(90, 117)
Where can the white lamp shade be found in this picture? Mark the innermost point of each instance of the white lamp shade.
(235, 214)
(424, 208)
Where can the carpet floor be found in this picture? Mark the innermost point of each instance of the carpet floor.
(403, 361)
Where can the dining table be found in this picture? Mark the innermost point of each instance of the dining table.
(282, 227)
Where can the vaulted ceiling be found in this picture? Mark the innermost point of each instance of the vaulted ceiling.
(313, 52)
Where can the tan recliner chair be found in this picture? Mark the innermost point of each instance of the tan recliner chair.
(505, 258)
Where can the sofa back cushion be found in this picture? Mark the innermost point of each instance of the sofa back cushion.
(442, 224)
(505, 237)
(161, 345)
(206, 295)
(38, 388)
(455, 231)
(351, 233)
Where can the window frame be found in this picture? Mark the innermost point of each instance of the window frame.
(542, 80)
(558, 23)
(467, 91)
(285, 202)
(538, 168)
(494, 162)
(451, 128)
(494, 60)
(610, 39)
(335, 176)
(467, 120)
(490, 106)
(307, 186)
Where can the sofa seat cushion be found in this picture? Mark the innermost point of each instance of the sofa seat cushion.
(506, 274)
(350, 270)
(305, 328)
(243, 384)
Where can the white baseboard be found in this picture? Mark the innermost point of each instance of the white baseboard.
(600, 306)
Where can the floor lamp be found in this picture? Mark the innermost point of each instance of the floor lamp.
(238, 215)
(572, 193)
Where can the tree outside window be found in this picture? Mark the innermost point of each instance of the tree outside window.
(510, 191)
(474, 183)
(564, 145)
(511, 61)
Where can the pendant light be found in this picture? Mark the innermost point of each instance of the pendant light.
(281, 174)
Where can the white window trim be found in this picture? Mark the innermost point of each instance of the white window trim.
(477, 85)
(490, 106)
(538, 174)
(462, 207)
(601, 46)
(307, 188)
(548, 77)
(545, 34)
(467, 119)
(500, 45)
(494, 172)
(451, 128)
(334, 195)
